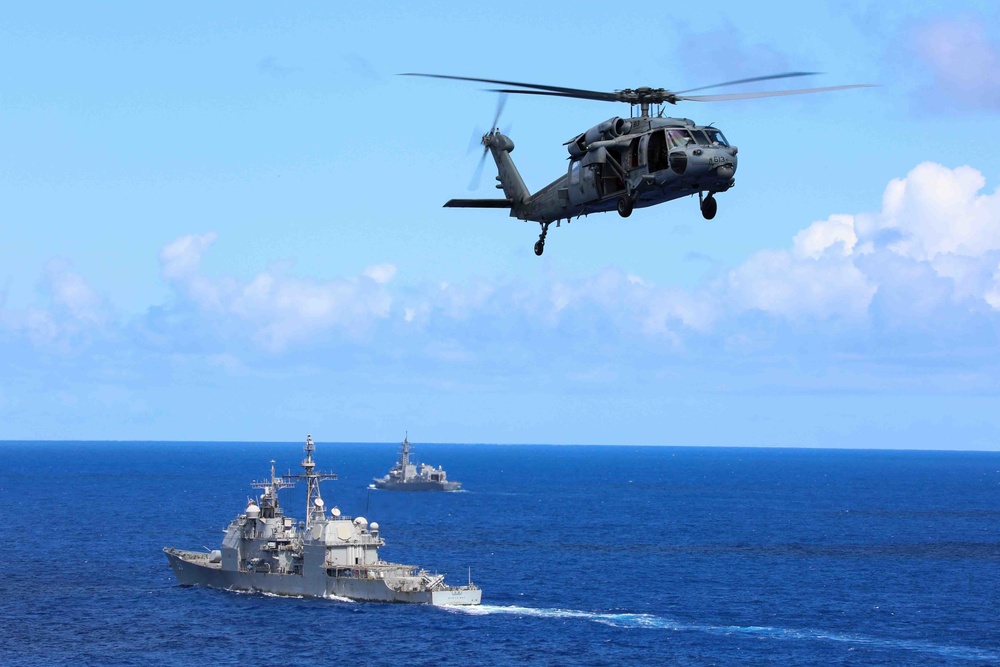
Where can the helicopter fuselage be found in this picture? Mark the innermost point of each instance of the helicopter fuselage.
(623, 164)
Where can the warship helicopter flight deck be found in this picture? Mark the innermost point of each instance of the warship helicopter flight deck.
(327, 555)
(622, 163)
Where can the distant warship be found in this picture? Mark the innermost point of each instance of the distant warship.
(407, 476)
(325, 556)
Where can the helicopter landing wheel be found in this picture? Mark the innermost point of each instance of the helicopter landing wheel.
(709, 207)
(540, 243)
(625, 207)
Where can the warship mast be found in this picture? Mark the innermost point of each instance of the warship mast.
(314, 501)
(404, 457)
(269, 499)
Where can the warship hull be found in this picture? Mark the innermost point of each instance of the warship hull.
(193, 568)
(417, 485)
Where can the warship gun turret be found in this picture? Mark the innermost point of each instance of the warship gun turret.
(408, 476)
(327, 555)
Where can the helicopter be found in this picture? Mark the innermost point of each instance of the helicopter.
(622, 163)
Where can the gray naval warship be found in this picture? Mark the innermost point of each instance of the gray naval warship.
(326, 556)
(407, 476)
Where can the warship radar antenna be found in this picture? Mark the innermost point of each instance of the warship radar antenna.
(314, 501)
(269, 499)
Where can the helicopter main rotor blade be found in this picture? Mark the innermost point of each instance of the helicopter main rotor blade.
(769, 77)
(567, 92)
(774, 93)
(645, 95)
(590, 95)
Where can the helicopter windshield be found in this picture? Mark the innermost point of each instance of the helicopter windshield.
(716, 137)
(700, 138)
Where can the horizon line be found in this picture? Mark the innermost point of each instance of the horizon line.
(501, 444)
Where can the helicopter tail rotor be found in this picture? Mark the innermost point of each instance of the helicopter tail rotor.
(477, 175)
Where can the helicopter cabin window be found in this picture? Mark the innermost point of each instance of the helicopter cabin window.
(715, 137)
(678, 138)
(574, 172)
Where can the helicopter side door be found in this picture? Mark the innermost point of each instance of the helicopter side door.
(584, 181)
(657, 151)
(611, 182)
(635, 155)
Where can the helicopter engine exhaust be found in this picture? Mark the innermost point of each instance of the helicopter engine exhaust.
(609, 129)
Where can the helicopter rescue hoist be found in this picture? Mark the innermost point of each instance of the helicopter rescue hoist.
(623, 163)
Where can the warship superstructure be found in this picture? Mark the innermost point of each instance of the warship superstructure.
(327, 555)
(408, 476)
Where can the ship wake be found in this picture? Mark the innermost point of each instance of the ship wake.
(655, 622)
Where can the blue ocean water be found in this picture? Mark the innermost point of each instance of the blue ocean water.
(586, 556)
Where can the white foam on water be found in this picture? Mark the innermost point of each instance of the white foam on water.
(636, 620)
(651, 621)
(268, 594)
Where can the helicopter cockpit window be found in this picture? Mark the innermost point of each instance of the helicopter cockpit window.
(574, 173)
(700, 137)
(677, 138)
(715, 137)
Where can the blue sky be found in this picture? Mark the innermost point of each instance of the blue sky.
(224, 222)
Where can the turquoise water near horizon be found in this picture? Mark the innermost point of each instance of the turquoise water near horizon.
(586, 555)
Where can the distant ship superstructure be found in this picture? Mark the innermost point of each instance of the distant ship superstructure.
(407, 476)
(335, 555)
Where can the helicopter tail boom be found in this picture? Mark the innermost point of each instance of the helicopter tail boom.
(510, 180)
(478, 203)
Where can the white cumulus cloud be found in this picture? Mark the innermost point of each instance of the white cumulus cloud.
(785, 284)
(836, 233)
(937, 218)
(937, 211)
(381, 273)
(277, 308)
(70, 291)
(181, 257)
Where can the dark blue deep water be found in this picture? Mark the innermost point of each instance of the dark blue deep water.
(586, 556)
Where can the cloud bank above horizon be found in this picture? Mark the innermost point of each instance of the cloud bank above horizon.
(927, 263)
